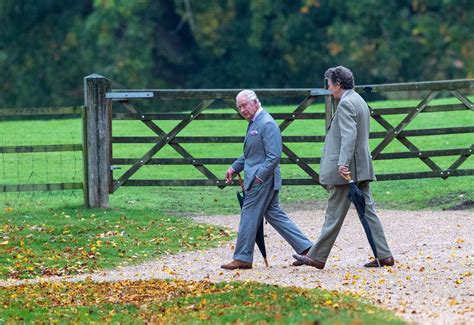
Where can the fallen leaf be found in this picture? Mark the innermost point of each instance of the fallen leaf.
(452, 302)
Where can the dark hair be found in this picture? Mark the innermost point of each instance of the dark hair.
(340, 75)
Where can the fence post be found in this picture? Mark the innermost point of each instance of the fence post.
(97, 132)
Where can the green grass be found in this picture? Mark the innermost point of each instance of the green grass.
(178, 302)
(60, 240)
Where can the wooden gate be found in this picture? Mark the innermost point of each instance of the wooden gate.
(207, 97)
(399, 132)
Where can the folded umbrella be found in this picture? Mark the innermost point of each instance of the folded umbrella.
(259, 239)
(356, 196)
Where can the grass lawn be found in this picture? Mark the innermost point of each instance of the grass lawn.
(40, 240)
(180, 302)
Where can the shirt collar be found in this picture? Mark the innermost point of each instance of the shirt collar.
(256, 114)
(345, 93)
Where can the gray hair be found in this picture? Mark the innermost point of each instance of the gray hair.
(340, 75)
(250, 95)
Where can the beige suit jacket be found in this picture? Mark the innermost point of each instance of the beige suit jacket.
(347, 142)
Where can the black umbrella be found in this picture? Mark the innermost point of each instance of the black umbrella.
(259, 239)
(357, 198)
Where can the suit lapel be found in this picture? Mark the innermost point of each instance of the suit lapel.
(253, 125)
(248, 132)
(330, 122)
(349, 92)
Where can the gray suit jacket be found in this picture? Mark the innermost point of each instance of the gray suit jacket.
(262, 152)
(347, 142)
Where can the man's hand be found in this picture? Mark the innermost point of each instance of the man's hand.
(229, 175)
(344, 171)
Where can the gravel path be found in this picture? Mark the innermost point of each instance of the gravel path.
(432, 281)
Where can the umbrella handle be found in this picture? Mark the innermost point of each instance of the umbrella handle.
(348, 178)
(241, 182)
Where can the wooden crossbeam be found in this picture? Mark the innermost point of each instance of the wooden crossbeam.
(208, 116)
(293, 157)
(213, 139)
(41, 148)
(40, 111)
(463, 99)
(39, 187)
(424, 132)
(164, 141)
(296, 181)
(207, 182)
(392, 133)
(462, 158)
(431, 174)
(407, 143)
(428, 109)
(287, 161)
(302, 164)
(178, 148)
(202, 94)
(292, 138)
(297, 112)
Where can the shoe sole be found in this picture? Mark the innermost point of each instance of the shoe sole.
(237, 268)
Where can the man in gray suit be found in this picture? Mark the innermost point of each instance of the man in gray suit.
(262, 182)
(346, 151)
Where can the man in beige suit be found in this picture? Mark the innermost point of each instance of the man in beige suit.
(346, 151)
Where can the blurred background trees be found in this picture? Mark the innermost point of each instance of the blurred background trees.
(48, 46)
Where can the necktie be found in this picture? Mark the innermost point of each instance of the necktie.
(248, 127)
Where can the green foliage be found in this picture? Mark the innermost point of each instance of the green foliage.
(47, 47)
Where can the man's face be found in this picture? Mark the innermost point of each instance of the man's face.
(247, 108)
(335, 89)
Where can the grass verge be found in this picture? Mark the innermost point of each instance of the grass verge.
(178, 302)
(73, 240)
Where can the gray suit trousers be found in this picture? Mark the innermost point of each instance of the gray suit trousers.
(338, 205)
(262, 200)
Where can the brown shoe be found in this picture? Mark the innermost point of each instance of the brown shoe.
(309, 261)
(389, 261)
(298, 263)
(235, 264)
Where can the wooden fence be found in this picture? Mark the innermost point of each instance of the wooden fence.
(306, 97)
(100, 112)
(40, 113)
